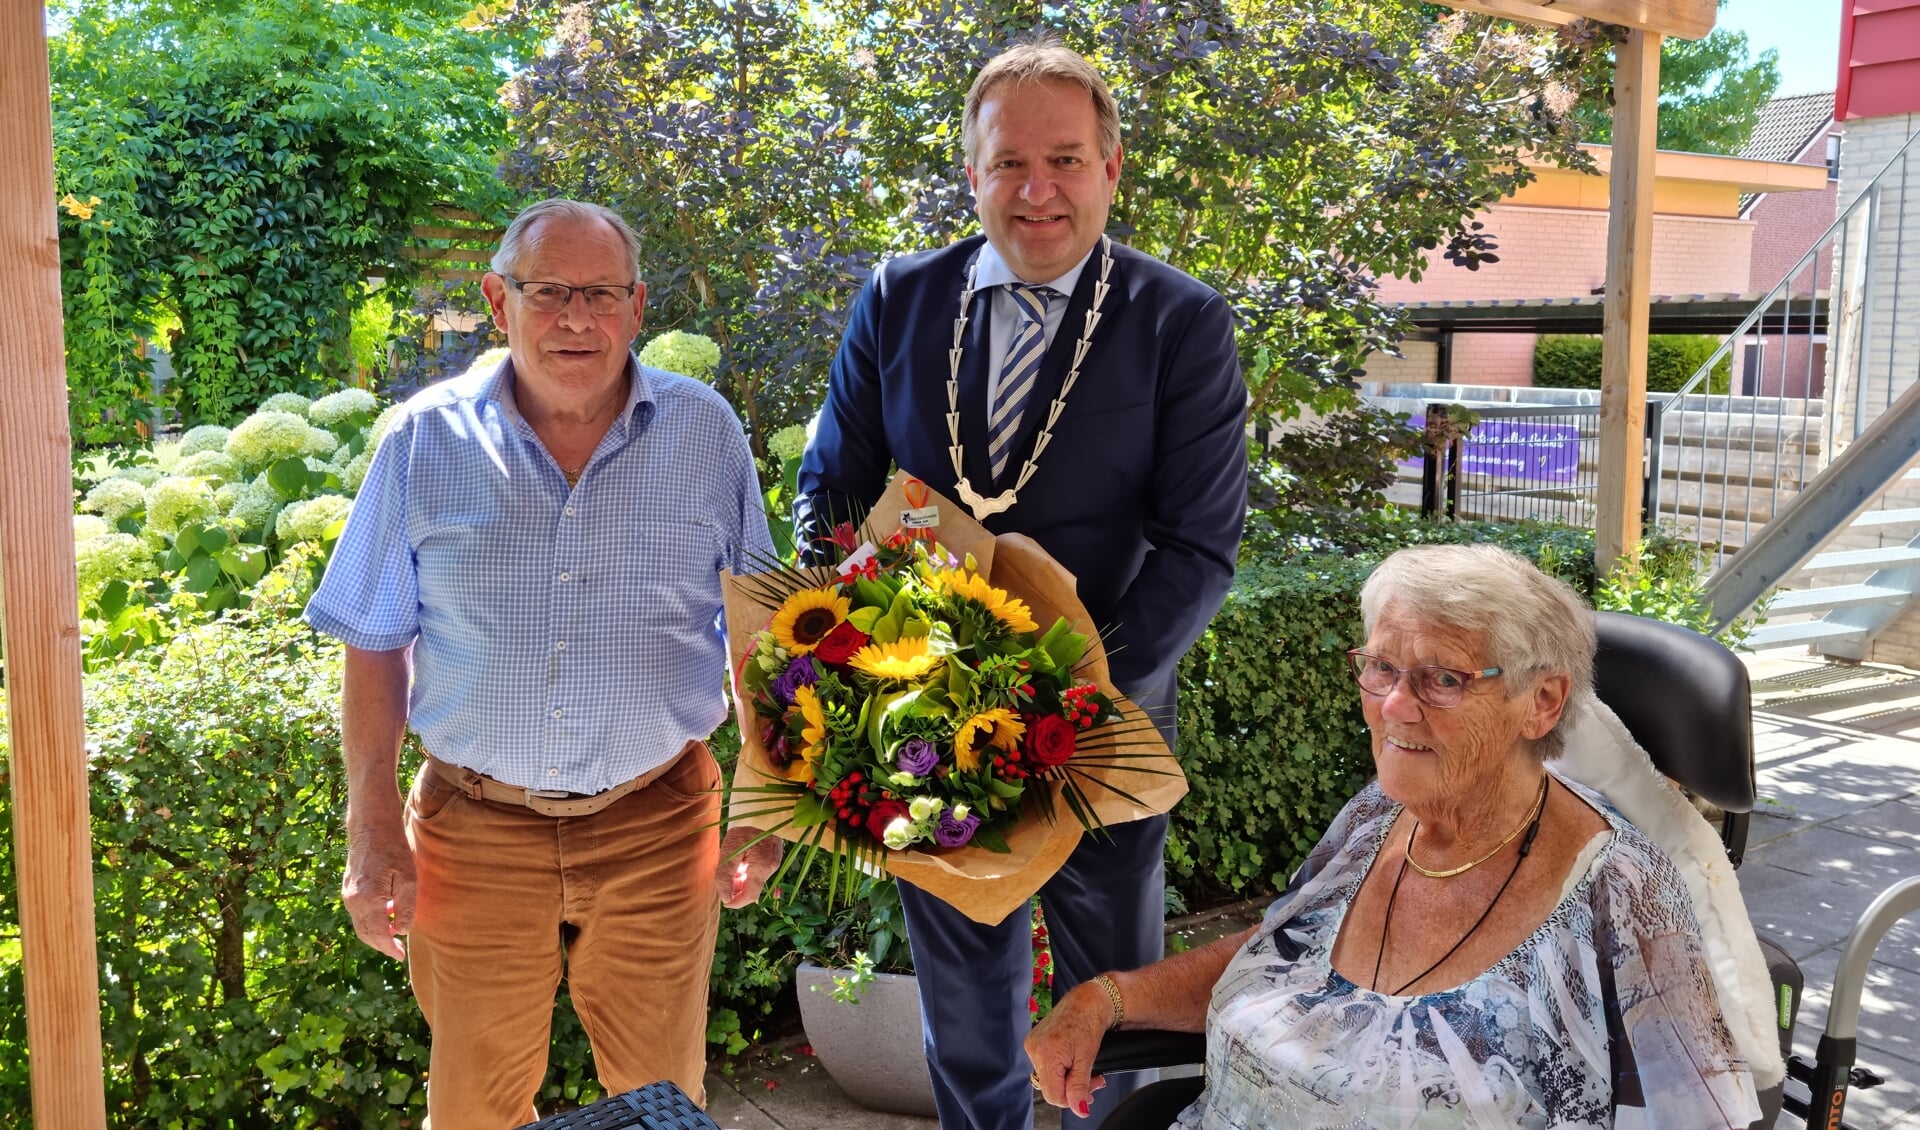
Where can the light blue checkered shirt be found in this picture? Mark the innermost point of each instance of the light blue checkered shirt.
(564, 639)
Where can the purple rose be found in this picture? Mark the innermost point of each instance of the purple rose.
(799, 673)
(918, 757)
(953, 833)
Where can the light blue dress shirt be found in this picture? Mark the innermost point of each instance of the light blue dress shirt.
(992, 272)
(564, 639)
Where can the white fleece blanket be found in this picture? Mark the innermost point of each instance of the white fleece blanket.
(1602, 755)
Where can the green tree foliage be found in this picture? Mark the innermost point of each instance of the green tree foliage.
(1286, 153)
(236, 169)
(1711, 91)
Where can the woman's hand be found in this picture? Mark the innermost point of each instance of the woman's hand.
(1063, 1045)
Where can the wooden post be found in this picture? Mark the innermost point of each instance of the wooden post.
(1623, 366)
(38, 606)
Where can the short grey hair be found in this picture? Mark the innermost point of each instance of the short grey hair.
(1534, 624)
(513, 245)
(1041, 58)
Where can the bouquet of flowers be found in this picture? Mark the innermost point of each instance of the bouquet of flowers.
(929, 706)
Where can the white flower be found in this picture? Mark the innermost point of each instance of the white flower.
(291, 402)
(787, 443)
(338, 407)
(355, 472)
(899, 833)
(381, 423)
(320, 441)
(676, 351)
(175, 501)
(306, 521)
(114, 556)
(142, 473)
(268, 437)
(961, 811)
(904, 780)
(254, 505)
(206, 437)
(114, 499)
(166, 455)
(924, 808)
(86, 527)
(216, 465)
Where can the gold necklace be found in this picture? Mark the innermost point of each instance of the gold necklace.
(984, 507)
(1532, 815)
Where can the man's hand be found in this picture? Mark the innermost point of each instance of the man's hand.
(1063, 1045)
(378, 889)
(742, 874)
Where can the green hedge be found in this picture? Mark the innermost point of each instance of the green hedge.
(1573, 361)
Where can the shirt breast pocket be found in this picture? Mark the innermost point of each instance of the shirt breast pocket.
(670, 567)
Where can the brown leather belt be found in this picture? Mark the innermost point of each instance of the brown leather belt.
(479, 786)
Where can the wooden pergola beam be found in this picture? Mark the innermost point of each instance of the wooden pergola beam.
(1682, 19)
(39, 611)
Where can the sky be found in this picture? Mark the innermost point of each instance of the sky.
(1806, 33)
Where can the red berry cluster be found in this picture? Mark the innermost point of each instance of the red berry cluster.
(854, 797)
(1042, 967)
(1079, 705)
(1010, 765)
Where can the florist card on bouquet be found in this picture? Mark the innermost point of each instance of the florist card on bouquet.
(936, 706)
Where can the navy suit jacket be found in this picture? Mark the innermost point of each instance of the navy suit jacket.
(1141, 493)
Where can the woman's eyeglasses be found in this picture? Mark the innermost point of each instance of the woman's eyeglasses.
(1439, 687)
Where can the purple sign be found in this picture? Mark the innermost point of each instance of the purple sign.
(1518, 449)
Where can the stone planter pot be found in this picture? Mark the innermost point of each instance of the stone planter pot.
(874, 1049)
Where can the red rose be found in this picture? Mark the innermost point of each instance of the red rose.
(883, 814)
(840, 644)
(1049, 741)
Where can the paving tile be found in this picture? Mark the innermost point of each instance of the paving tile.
(1829, 852)
(1809, 913)
(1889, 1038)
(1766, 825)
(1896, 821)
(787, 1089)
(1840, 780)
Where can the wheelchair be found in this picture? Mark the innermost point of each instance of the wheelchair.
(1686, 700)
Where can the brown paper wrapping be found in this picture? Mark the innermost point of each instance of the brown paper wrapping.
(984, 885)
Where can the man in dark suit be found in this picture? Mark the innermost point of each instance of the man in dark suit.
(1069, 388)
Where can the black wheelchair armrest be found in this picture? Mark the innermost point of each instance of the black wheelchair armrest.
(1148, 1048)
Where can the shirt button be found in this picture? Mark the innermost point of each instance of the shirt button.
(553, 772)
(559, 645)
(558, 712)
(566, 576)
(568, 511)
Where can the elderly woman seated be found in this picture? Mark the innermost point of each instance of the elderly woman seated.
(1475, 942)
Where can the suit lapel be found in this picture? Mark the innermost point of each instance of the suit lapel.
(975, 367)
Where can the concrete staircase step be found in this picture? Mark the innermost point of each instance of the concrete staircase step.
(1887, 518)
(1803, 632)
(1837, 596)
(1858, 558)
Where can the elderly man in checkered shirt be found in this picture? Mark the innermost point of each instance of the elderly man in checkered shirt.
(530, 580)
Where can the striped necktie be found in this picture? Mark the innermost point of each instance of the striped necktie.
(1017, 373)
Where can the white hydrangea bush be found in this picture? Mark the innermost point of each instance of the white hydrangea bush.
(676, 351)
(787, 444)
(176, 501)
(205, 437)
(307, 520)
(217, 466)
(290, 402)
(338, 408)
(268, 436)
(116, 498)
(113, 556)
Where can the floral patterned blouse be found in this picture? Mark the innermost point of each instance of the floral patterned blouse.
(1606, 1016)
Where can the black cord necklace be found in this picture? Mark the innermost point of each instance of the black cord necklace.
(1526, 845)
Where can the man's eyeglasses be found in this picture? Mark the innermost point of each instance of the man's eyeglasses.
(551, 298)
(1439, 687)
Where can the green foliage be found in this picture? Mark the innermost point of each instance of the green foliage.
(1310, 479)
(1573, 361)
(234, 170)
(1286, 154)
(1711, 92)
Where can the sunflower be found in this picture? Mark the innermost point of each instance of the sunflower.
(1001, 729)
(1009, 610)
(906, 658)
(806, 618)
(813, 735)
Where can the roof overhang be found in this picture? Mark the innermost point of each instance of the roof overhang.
(1718, 314)
(1684, 19)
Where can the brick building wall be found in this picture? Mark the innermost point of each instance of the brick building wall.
(1558, 253)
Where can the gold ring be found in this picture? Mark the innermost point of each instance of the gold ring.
(1035, 1076)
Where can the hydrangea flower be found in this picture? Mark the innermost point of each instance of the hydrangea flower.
(206, 437)
(787, 443)
(177, 500)
(114, 499)
(216, 465)
(307, 520)
(142, 473)
(112, 556)
(692, 355)
(267, 437)
(86, 527)
(320, 441)
(355, 472)
(254, 505)
(166, 455)
(286, 402)
(336, 408)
